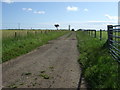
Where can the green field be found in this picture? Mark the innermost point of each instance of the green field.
(24, 41)
(99, 69)
(104, 35)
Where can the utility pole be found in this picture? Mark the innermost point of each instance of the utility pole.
(69, 27)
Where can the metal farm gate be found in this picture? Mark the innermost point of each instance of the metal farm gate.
(114, 41)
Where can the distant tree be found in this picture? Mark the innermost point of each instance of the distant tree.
(79, 29)
(56, 25)
(73, 30)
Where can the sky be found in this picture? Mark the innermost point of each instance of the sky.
(43, 15)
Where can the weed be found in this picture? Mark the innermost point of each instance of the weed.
(12, 86)
(33, 84)
(51, 67)
(42, 71)
(21, 84)
(35, 79)
(45, 76)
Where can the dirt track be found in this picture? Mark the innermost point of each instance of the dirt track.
(53, 65)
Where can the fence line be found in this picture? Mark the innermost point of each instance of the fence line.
(113, 39)
(21, 33)
(93, 33)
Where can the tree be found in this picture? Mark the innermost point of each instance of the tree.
(56, 25)
(73, 30)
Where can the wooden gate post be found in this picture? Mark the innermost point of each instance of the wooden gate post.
(110, 34)
(100, 34)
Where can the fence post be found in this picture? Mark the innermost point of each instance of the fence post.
(27, 33)
(100, 34)
(95, 33)
(35, 32)
(45, 31)
(15, 34)
(89, 32)
(110, 33)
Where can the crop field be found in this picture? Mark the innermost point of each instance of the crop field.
(21, 33)
(18, 42)
(11, 33)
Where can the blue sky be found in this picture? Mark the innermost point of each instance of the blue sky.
(92, 15)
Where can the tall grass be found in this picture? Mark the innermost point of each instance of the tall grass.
(99, 69)
(16, 46)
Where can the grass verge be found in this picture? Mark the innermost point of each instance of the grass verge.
(13, 47)
(99, 69)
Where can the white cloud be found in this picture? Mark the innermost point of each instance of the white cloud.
(86, 10)
(111, 17)
(39, 12)
(27, 9)
(8, 1)
(69, 8)
(24, 8)
(30, 9)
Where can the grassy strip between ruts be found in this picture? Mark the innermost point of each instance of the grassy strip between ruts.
(13, 47)
(99, 69)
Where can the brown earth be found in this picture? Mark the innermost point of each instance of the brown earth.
(53, 65)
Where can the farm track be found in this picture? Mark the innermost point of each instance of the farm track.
(53, 65)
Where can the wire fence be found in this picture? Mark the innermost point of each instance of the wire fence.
(95, 33)
(24, 33)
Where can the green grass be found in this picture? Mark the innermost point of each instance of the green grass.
(99, 69)
(13, 47)
(104, 35)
